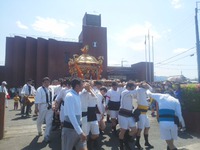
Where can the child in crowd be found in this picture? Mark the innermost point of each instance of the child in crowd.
(16, 101)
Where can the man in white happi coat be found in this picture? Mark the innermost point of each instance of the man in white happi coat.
(58, 105)
(125, 117)
(169, 116)
(43, 106)
(100, 104)
(143, 106)
(113, 104)
(56, 86)
(27, 90)
(90, 123)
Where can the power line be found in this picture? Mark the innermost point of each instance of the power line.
(167, 64)
(177, 59)
(175, 56)
(170, 68)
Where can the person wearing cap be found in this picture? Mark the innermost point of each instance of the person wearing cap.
(43, 106)
(27, 90)
(4, 90)
(168, 88)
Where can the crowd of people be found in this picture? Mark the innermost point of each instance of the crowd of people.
(81, 107)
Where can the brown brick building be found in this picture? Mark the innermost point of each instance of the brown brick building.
(36, 58)
(28, 57)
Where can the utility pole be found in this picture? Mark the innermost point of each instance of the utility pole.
(197, 41)
(152, 59)
(145, 42)
(149, 56)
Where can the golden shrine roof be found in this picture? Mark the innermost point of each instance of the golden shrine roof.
(85, 58)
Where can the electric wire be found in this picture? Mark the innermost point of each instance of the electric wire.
(170, 68)
(178, 59)
(166, 64)
(160, 63)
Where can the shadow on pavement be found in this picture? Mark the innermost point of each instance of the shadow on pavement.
(108, 139)
(34, 145)
(34, 118)
(20, 118)
(109, 143)
(187, 135)
(54, 144)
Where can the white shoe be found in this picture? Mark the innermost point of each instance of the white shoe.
(183, 129)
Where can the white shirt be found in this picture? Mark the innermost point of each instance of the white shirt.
(84, 100)
(120, 89)
(92, 102)
(25, 90)
(72, 108)
(100, 102)
(61, 95)
(141, 96)
(55, 89)
(127, 99)
(112, 96)
(4, 90)
(40, 98)
(59, 98)
(166, 101)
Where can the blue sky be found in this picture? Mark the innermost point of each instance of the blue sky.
(170, 22)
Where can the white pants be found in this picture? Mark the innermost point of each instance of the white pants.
(84, 124)
(46, 115)
(126, 122)
(143, 122)
(113, 114)
(92, 127)
(168, 130)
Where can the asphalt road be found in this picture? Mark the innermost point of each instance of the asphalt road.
(21, 134)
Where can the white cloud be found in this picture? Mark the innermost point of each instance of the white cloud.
(20, 25)
(51, 25)
(176, 4)
(179, 50)
(134, 37)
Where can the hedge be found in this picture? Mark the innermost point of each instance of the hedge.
(191, 97)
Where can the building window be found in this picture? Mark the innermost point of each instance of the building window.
(94, 44)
